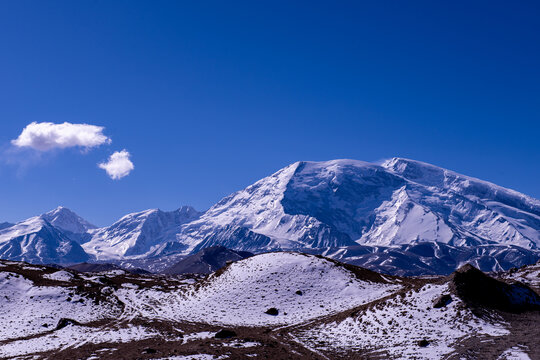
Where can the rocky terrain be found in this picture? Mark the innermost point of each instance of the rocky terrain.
(279, 305)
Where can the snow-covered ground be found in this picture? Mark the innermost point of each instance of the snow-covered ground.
(61, 275)
(322, 308)
(248, 288)
(76, 336)
(398, 325)
(27, 309)
(515, 353)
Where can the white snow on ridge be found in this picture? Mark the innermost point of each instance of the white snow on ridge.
(61, 275)
(248, 288)
(342, 202)
(65, 219)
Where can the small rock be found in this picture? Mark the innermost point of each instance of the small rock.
(442, 301)
(423, 343)
(272, 311)
(225, 334)
(149, 351)
(299, 292)
(63, 322)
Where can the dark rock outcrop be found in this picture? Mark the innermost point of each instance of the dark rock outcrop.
(63, 322)
(225, 334)
(272, 311)
(481, 291)
(442, 301)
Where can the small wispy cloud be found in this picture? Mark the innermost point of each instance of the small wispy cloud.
(119, 165)
(46, 136)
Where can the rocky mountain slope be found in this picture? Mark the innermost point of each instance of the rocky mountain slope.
(265, 306)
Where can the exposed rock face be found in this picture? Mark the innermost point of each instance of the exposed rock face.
(225, 334)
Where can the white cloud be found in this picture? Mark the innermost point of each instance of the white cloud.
(118, 165)
(46, 136)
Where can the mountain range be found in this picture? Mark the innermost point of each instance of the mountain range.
(401, 216)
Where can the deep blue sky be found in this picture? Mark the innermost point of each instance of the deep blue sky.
(211, 96)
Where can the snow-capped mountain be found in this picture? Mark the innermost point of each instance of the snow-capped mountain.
(347, 202)
(71, 224)
(337, 208)
(66, 220)
(37, 241)
(138, 233)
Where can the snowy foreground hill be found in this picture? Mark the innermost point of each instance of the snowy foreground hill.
(280, 305)
(401, 217)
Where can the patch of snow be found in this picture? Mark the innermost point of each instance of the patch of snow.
(198, 336)
(61, 275)
(514, 353)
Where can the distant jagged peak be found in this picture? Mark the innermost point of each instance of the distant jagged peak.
(65, 219)
(183, 211)
(188, 210)
(139, 232)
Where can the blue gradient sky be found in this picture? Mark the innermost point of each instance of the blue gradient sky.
(211, 96)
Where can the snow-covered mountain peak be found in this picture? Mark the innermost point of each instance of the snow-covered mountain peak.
(139, 233)
(321, 205)
(65, 219)
(36, 240)
(346, 202)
